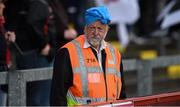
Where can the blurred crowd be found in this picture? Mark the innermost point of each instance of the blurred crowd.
(40, 27)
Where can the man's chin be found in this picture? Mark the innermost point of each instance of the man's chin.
(95, 44)
(95, 40)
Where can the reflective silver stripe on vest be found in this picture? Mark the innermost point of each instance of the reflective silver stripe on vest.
(83, 69)
(113, 53)
(90, 69)
(111, 71)
(114, 60)
(87, 100)
(96, 69)
(70, 95)
(117, 73)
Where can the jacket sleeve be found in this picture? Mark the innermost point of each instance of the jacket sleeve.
(3, 47)
(62, 78)
(123, 92)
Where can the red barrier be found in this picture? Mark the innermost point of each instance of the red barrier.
(166, 99)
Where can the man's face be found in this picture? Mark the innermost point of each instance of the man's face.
(2, 6)
(95, 33)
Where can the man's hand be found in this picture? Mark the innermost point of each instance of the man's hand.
(45, 50)
(2, 6)
(10, 36)
(70, 33)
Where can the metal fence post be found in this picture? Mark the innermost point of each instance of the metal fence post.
(178, 42)
(17, 89)
(144, 77)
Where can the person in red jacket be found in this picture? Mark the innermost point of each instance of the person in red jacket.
(6, 37)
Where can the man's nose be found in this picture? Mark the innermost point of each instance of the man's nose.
(96, 31)
(3, 6)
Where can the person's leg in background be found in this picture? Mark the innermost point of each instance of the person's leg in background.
(38, 91)
(3, 97)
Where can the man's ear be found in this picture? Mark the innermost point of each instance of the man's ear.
(85, 29)
(107, 28)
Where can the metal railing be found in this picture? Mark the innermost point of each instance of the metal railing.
(18, 79)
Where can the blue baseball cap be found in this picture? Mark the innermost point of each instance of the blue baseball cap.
(99, 13)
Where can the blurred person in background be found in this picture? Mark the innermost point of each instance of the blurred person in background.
(64, 23)
(126, 16)
(86, 64)
(6, 38)
(29, 18)
(67, 19)
(169, 16)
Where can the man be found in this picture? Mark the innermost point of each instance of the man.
(88, 69)
(29, 22)
(5, 38)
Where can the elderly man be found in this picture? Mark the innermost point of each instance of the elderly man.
(88, 69)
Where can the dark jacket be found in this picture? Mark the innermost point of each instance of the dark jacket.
(59, 22)
(27, 18)
(3, 48)
(3, 44)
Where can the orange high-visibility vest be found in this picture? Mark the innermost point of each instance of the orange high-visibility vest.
(88, 77)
